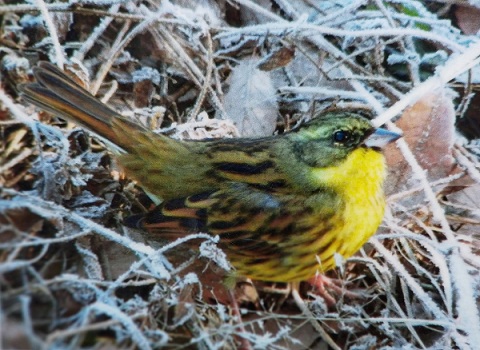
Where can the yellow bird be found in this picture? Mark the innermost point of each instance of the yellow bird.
(283, 205)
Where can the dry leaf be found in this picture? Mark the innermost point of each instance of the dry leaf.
(116, 258)
(251, 100)
(277, 59)
(428, 128)
(467, 18)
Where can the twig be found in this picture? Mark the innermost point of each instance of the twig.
(454, 67)
(53, 33)
(311, 318)
(206, 82)
(99, 30)
(307, 30)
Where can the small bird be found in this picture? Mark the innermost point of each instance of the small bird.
(283, 206)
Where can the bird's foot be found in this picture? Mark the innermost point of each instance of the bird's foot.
(330, 289)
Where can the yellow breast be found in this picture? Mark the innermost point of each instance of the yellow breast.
(359, 181)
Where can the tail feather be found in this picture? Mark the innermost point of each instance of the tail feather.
(161, 165)
(60, 95)
(59, 83)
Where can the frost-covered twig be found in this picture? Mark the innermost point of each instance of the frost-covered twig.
(302, 30)
(312, 319)
(206, 83)
(16, 264)
(424, 297)
(59, 54)
(113, 52)
(97, 32)
(453, 68)
(52, 210)
(468, 164)
(14, 109)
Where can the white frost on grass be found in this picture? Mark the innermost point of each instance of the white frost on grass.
(209, 250)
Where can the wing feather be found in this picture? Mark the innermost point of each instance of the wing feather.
(254, 226)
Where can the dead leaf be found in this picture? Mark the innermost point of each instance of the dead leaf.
(277, 59)
(428, 128)
(143, 91)
(251, 100)
(467, 18)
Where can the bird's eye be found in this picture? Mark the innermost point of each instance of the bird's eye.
(341, 136)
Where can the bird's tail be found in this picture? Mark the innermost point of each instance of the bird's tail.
(55, 92)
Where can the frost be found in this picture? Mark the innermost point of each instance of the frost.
(157, 337)
(135, 304)
(12, 63)
(473, 75)
(190, 278)
(57, 174)
(339, 262)
(364, 343)
(407, 56)
(90, 206)
(91, 262)
(134, 333)
(354, 25)
(210, 251)
(84, 293)
(28, 21)
(146, 73)
(222, 312)
(436, 58)
(265, 340)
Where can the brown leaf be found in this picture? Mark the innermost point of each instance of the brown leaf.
(143, 91)
(277, 59)
(116, 258)
(467, 18)
(428, 128)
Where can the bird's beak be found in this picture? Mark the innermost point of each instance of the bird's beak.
(380, 138)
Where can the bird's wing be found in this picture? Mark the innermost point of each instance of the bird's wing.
(253, 225)
(175, 218)
(172, 168)
(246, 161)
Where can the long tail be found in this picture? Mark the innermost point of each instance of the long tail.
(55, 92)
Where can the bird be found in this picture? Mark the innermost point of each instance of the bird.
(283, 206)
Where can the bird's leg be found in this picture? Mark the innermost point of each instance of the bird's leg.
(325, 286)
(322, 286)
(244, 343)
